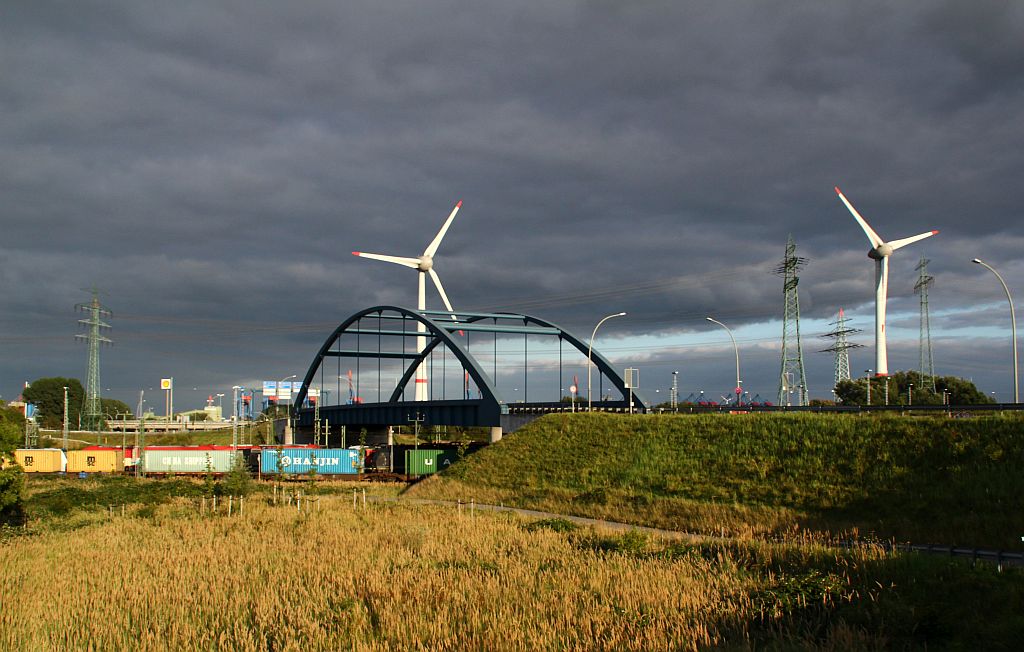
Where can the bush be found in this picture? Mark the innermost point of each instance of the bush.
(238, 482)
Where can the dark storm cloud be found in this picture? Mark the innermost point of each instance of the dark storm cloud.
(212, 164)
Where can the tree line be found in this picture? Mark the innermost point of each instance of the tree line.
(47, 394)
(908, 387)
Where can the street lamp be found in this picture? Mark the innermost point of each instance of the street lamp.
(590, 352)
(910, 393)
(1013, 325)
(736, 350)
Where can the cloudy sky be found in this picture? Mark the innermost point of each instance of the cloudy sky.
(210, 165)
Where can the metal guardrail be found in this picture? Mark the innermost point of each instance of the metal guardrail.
(1001, 558)
(622, 406)
(951, 410)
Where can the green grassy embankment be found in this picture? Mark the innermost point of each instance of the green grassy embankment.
(222, 436)
(918, 479)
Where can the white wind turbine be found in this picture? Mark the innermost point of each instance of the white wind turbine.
(424, 264)
(880, 251)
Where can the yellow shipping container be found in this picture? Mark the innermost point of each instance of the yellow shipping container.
(96, 461)
(41, 460)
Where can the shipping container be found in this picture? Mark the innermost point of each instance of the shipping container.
(106, 460)
(299, 461)
(424, 461)
(178, 460)
(41, 460)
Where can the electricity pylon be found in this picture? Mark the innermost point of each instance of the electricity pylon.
(92, 413)
(792, 373)
(841, 347)
(926, 365)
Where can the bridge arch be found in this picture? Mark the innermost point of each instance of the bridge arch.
(439, 335)
(485, 410)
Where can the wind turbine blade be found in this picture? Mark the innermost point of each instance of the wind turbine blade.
(436, 242)
(408, 262)
(444, 297)
(872, 236)
(896, 244)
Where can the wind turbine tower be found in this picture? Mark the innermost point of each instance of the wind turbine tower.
(92, 419)
(792, 374)
(424, 264)
(841, 347)
(880, 252)
(927, 364)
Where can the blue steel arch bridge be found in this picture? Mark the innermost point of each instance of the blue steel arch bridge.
(467, 357)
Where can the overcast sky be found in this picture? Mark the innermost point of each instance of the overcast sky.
(210, 166)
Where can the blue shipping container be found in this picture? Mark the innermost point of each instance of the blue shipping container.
(326, 461)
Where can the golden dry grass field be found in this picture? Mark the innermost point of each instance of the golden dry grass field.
(384, 577)
(398, 576)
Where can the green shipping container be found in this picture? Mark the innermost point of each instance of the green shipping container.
(186, 461)
(424, 461)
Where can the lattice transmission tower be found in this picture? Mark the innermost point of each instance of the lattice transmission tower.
(792, 374)
(841, 347)
(926, 365)
(92, 413)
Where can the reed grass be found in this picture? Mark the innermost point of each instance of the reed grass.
(395, 576)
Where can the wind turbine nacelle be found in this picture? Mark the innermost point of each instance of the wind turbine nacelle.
(880, 252)
(426, 263)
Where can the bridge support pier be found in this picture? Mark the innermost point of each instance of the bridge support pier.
(495, 434)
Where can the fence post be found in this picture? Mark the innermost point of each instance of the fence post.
(231, 504)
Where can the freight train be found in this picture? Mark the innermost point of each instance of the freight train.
(203, 460)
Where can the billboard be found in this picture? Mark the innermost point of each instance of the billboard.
(284, 390)
(269, 389)
(166, 383)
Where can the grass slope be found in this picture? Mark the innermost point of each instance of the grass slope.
(918, 479)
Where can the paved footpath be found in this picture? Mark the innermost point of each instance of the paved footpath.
(532, 513)
(998, 557)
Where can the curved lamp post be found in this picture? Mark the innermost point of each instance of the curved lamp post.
(1013, 324)
(288, 412)
(590, 351)
(736, 350)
